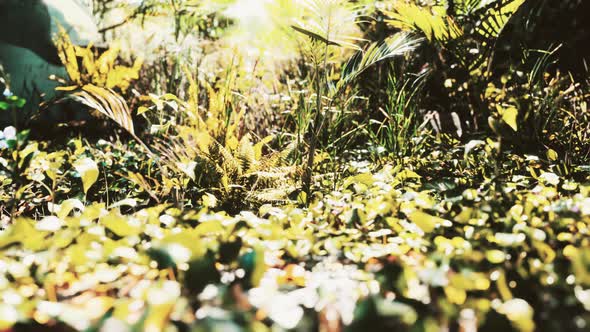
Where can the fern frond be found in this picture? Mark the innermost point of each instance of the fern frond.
(246, 153)
(276, 174)
(231, 164)
(260, 145)
(67, 55)
(288, 151)
(271, 195)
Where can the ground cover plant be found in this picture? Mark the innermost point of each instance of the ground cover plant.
(313, 165)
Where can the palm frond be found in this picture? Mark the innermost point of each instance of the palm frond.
(433, 21)
(397, 45)
(314, 36)
(332, 22)
(468, 7)
(489, 18)
(494, 17)
(106, 102)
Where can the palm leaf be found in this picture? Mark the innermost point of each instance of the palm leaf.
(433, 22)
(332, 22)
(396, 45)
(314, 36)
(494, 17)
(108, 103)
(471, 48)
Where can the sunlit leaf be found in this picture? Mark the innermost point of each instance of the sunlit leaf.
(509, 116)
(88, 170)
(314, 35)
(120, 225)
(495, 256)
(425, 221)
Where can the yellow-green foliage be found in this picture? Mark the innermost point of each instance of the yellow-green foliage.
(147, 265)
(207, 148)
(431, 21)
(83, 67)
(211, 219)
(92, 80)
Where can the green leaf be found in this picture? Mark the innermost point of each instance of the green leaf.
(426, 222)
(120, 225)
(201, 272)
(495, 256)
(188, 168)
(8, 316)
(314, 35)
(88, 171)
(455, 295)
(209, 200)
(509, 116)
(20, 102)
(254, 265)
(142, 109)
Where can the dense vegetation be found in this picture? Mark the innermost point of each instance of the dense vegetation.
(303, 165)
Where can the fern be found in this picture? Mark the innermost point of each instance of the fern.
(102, 71)
(234, 173)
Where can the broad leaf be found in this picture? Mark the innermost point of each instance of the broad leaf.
(88, 170)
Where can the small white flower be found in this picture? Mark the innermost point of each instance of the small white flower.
(472, 145)
(9, 133)
(517, 310)
(549, 178)
(7, 93)
(583, 295)
(585, 210)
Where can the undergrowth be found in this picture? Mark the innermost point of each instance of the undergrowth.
(323, 165)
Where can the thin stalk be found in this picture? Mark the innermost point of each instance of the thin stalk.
(313, 141)
(316, 126)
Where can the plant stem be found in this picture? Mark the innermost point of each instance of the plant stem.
(313, 141)
(316, 126)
